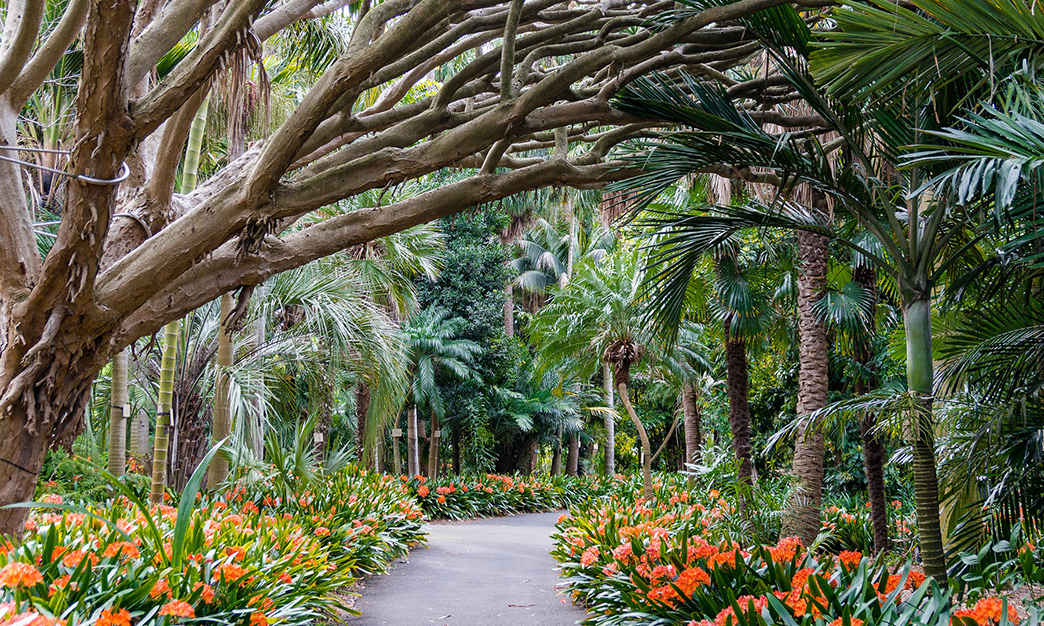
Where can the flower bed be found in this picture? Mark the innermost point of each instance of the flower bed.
(492, 495)
(231, 560)
(635, 563)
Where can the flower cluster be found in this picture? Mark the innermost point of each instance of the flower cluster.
(492, 495)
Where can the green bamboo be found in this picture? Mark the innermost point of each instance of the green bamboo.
(193, 149)
(222, 425)
(117, 419)
(166, 394)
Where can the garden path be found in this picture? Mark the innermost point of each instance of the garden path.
(484, 573)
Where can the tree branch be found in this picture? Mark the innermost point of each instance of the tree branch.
(47, 57)
(21, 29)
(162, 34)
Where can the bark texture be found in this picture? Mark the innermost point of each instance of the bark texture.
(433, 447)
(362, 410)
(222, 424)
(573, 457)
(739, 407)
(805, 515)
(610, 422)
(413, 443)
(692, 417)
(118, 417)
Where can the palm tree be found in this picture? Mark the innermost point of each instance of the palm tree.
(594, 321)
(433, 348)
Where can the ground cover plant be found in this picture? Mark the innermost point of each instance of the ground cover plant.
(676, 559)
(247, 556)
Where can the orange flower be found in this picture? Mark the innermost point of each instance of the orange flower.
(991, 608)
(915, 579)
(850, 559)
(162, 587)
(229, 572)
(59, 583)
(125, 549)
(964, 614)
(692, 578)
(285, 578)
(19, 574)
(257, 618)
(852, 622)
(423, 491)
(114, 617)
(75, 557)
(177, 608)
(322, 531)
(589, 557)
(208, 593)
(236, 552)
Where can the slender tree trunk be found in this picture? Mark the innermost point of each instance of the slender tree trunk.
(222, 426)
(805, 515)
(873, 449)
(739, 409)
(917, 315)
(362, 410)
(456, 449)
(556, 457)
(433, 447)
(166, 393)
(412, 446)
(321, 437)
(117, 418)
(573, 458)
(396, 451)
(509, 310)
(647, 489)
(610, 424)
(693, 433)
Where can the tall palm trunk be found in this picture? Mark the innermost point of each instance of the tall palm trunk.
(433, 447)
(573, 457)
(804, 517)
(455, 444)
(625, 400)
(117, 417)
(222, 424)
(693, 432)
(396, 451)
(739, 408)
(873, 449)
(556, 457)
(412, 444)
(610, 423)
(362, 410)
(166, 394)
(917, 315)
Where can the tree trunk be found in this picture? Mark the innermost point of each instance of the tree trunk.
(610, 423)
(362, 410)
(917, 315)
(805, 515)
(739, 409)
(166, 392)
(647, 489)
(217, 473)
(396, 451)
(509, 310)
(873, 449)
(321, 436)
(433, 447)
(412, 444)
(556, 456)
(573, 458)
(456, 450)
(693, 433)
(117, 418)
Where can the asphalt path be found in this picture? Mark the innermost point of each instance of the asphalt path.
(484, 573)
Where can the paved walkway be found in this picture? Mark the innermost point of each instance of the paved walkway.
(485, 573)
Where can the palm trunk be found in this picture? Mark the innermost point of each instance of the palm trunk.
(625, 400)
(117, 417)
(610, 424)
(362, 409)
(873, 449)
(693, 433)
(573, 458)
(917, 315)
(509, 310)
(433, 447)
(396, 452)
(556, 457)
(456, 450)
(412, 444)
(739, 408)
(166, 392)
(217, 473)
(804, 516)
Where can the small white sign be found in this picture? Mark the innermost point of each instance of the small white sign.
(396, 432)
(317, 437)
(438, 433)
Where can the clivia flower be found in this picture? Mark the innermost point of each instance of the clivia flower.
(18, 574)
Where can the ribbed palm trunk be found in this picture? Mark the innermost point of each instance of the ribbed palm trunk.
(433, 447)
(573, 456)
(917, 315)
(693, 430)
(362, 410)
(610, 423)
(117, 417)
(396, 450)
(412, 443)
(166, 395)
(556, 456)
(739, 407)
(805, 515)
(217, 473)
(873, 448)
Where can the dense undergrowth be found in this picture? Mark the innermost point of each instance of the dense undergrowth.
(684, 559)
